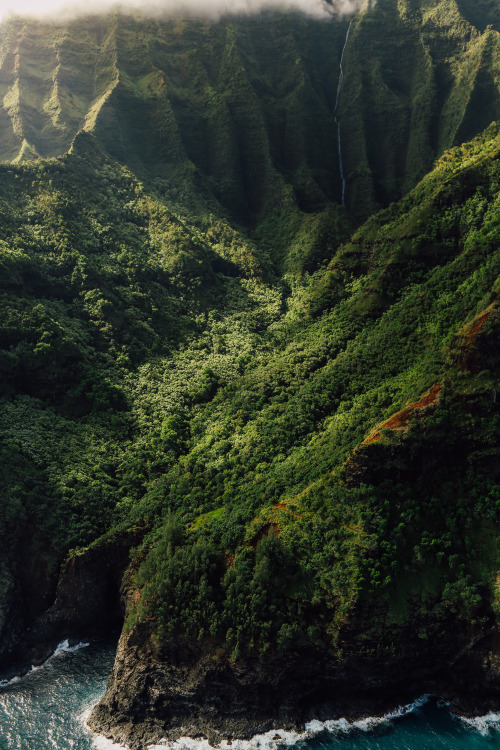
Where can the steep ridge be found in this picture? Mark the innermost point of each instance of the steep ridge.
(207, 94)
(191, 359)
(347, 490)
(481, 13)
(212, 95)
(48, 85)
(420, 77)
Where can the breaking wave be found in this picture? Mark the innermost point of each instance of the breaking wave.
(279, 738)
(483, 724)
(62, 648)
(48, 710)
(336, 726)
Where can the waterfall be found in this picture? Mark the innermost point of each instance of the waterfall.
(339, 137)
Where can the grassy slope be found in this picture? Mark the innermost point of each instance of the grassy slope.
(163, 366)
(99, 276)
(400, 521)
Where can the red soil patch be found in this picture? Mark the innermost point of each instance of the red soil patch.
(274, 526)
(465, 354)
(478, 325)
(400, 420)
(284, 507)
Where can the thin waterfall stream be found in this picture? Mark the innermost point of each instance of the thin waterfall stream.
(337, 100)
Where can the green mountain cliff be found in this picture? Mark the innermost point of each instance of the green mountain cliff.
(270, 417)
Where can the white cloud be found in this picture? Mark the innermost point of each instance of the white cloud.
(61, 9)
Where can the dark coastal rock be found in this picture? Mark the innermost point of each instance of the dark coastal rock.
(88, 595)
(157, 692)
(84, 603)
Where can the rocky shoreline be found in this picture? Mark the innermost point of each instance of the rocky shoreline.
(86, 603)
(166, 692)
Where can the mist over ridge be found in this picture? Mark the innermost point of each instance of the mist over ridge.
(213, 9)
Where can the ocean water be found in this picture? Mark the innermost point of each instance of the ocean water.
(47, 709)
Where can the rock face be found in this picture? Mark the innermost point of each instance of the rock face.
(87, 603)
(88, 595)
(157, 693)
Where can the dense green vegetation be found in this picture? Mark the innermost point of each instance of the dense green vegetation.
(421, 77)
(246, 105)
(274, 471)
(298, 415)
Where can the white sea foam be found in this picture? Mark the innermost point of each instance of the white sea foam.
(4, 683)
(62, 648)
(269, 741)
(101, 743)
(409, 708)
(279, 738)
(18, 678)
(98, 741)
(483, 724)
(65, 648)
(336, 726)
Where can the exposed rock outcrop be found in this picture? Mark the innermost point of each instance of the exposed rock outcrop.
(87, 603)
(168, 692)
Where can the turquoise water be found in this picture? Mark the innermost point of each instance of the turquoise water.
(46, 710)
(427, 728)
